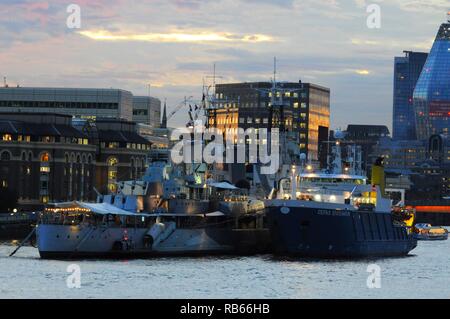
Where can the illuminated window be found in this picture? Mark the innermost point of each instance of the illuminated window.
(112, 174)
(47, 139)
(4, 183)
(7, 137)
(45, 165)
(45, 157)
(296, 105)
(45, 169)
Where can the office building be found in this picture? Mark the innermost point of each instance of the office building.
(77, 102)
(248, 105)
(407, 70)
(432, 92)
(147, 110)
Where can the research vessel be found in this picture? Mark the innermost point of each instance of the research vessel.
(337, 216)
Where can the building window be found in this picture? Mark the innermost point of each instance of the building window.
(7, 137)
(45, 157)
(45, 165)
(112, 174)
(5, 156)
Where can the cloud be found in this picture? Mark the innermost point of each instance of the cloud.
(173, 44)
(201, 36)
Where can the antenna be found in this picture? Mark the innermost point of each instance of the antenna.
(275, 69)
(4, 82)
(448, 16)
(214, 77)
(149, 88)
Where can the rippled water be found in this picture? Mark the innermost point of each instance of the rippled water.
(424, 274)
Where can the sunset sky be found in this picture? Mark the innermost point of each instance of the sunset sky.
(173, 45)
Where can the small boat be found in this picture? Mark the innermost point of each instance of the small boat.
(428, 232)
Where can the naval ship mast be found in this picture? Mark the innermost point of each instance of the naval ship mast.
(277, 112)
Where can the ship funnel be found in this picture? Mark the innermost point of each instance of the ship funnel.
(378, 177)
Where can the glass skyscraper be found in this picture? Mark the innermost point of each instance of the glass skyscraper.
(407, 70)
(432, 93)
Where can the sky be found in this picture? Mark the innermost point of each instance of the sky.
(173, 44)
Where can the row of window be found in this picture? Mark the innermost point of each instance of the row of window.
(140, 112)
(60, 105)
(134, 146)
(251, 120)
(238, 97)
(295, 105)
(44, 139)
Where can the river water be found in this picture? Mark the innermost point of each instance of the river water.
(423, 274)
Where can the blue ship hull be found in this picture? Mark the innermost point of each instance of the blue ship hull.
(331, 233)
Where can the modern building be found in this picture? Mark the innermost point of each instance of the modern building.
(53, 157)
(407, 70)
(248, 105)
(147, 110)
(431, 181)
(432, 92)
(425, 163)
(367, 138)
(84, 103)
(401, 154)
